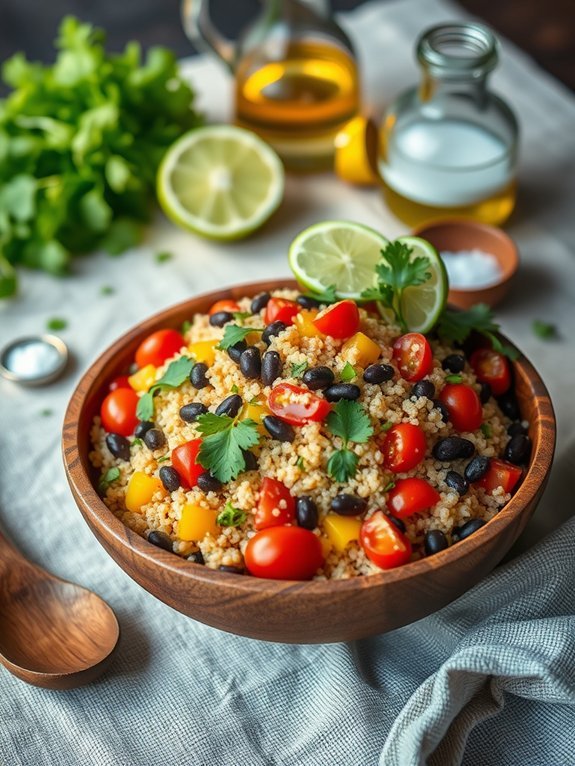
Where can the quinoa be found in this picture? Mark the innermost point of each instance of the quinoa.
(301, 465)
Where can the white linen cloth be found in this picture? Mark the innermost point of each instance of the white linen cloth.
(489, 680)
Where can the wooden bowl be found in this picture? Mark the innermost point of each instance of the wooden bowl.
(296, 612)
(459, 235)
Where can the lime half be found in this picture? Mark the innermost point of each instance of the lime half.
(422, 304)
(220, 181)
(340, 253)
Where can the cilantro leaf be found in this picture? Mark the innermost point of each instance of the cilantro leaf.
(239, 315)
(350, 422)
(230, 516)
(163, 256)
(544, 330)
(342, 465)
(298, 369)
(486, 430)
(453, 378)
(348, 373)
(107, 478)
(178, 371)
(233, 334)
(107, 290)
(327, 295)
(56, 323)
(186, 326)
(224, 440)
(457, 326)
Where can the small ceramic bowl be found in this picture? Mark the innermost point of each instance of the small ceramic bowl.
(460, 235)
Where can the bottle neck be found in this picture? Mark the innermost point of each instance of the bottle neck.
(438, 86)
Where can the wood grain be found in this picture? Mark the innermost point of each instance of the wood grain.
(297, 612)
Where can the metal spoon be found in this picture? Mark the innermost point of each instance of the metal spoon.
(52, 633)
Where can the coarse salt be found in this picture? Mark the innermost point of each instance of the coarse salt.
(471, 268)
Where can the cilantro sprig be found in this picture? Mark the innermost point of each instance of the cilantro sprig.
(327, 295)
(456, 326)
(350, 422)
(233, 334)
(177, 372)
(230, 516)
(297, 370)
(223, 442)
(112, 474)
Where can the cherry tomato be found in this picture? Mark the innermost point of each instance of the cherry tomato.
(184, 460)
(227, 304)
(120, 382)
(158, 347)
(341, 320)
(118, 411)
(403, 447)
(412, 496)
(412, 353)
(492, 367)
(383, 542)
(284, 553)
(500, 474)
(276, 505)
(463, 405)
(281, 310)
(297, 405)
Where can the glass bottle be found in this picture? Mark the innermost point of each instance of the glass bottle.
(296, 77)
(449, 147)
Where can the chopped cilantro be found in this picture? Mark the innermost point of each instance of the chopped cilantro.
(453, 378)
(348, 373)
(186, 326)
(239, 315)
(163, 459)
(544, 330)
(230, 516)
(223, 442)
(300, 462)
(56, 323)
(350, 422)
(136, 442)
(174, 376)
(234, 389)
(298, 369)
(327, 296)
(486, 430)
(163, 257)
(107, 478)
(46, 413)
(386, 426)
(107, 290)
(233, 334)
(389, 486)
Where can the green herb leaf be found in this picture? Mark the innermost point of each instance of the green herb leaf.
(230, 516)
(234, 389)
(224, 440)
(56, 323)
(342, 465)
(457, 326)
(233, 334)
(239, 315)
(327, 296)
(348, 373)
(486, 430)
(136, 442)
(186, 326)
(544, 330)
(107, 290)
(163, 257)
(350, 422)
(300, 462)
(298, 369)
(163, 459)
(178, 371)
(107, 478)
(46, 413)
(389, 486)
(453, 378)
(386, 426)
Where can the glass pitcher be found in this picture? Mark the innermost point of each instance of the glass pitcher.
(296, 77)
(449, 146)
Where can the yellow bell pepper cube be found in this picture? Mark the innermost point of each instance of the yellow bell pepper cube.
(196, 522)
(304, 324)
(141, 489)
(256, 411)
(341, 530)
(204, 351)
(143, 379)
(360, 350)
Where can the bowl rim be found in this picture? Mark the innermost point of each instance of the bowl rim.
(96, 512)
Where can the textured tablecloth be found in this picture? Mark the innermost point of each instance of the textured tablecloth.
(487, 681)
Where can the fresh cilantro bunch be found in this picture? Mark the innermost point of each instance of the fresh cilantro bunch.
(80, 144)
(350, 422)
(456, 326)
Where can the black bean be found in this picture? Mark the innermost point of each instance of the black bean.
(231, 570)
(196, 557)
(192, 411)
(442, 409)
(516, 428)
(484, 393)
(476, 468)
(271, 367)
(259, 302)
(509, 406)
(518, 449)
(209, 483)
(318, 377)
(235, 351)
(272, 330)
(198, 375)
(278, 429)
(378, 373)
(434, 542)
(452, 448)
(467, 529)
(307, 302)
(306, 512)
(251, 460)
(220, 318)
(454, 363)
(161, 540)
(118, 445)
(170, 478)
(397, 522)
(230, 406)
(348, 505)
(251, 363)
(154, 438)
(342, 391)
(457, 482)
(423, 388)
(142, 427)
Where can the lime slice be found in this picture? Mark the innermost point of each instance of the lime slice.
(340, 253)
(421, 305)
(220, 181)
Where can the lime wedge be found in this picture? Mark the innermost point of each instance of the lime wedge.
(421, 305)
(340, 253)
(220, 181)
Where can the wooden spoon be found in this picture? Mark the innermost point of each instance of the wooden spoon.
(52, 633)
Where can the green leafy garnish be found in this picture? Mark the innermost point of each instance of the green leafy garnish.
(386, 426)
(486, 430)
(136, 442)
(453, 378)
(234, 389)
(56, 323)
(163, 257)
(163, 459)
(46, 413)
(327, 296)
(107, 290)
(300, 462)
(178, 371)
(233, 334)
(186, 326)
(230, 516)
(544, 330)
(107, 478)
(396, 271)
(239, 315)
(389, 486)
(298, 369)
(348, 373)
(224, 440)
(457, 326)
(350, 422)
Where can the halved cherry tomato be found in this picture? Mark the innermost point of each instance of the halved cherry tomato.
(284, 553)
(297, 405)
(184, 460)
(500, 474)
(412, 496)
(227, 304)
(276, 505)
(403, 447)
(158, 347)
(118, 411)
(463, 405)
(120, 382)
(412, 353)
(383, 542)
(491, 367)
(281, 310)
(341, 320)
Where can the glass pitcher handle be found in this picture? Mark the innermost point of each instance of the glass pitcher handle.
(201, 31)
